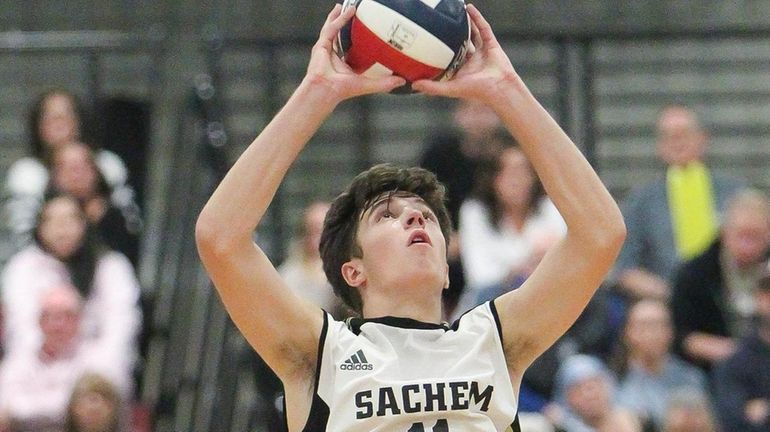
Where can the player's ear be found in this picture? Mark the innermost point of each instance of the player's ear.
(353, 273)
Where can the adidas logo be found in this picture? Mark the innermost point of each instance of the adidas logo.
(357, 362)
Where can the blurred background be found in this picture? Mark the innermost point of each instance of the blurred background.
(179, 88)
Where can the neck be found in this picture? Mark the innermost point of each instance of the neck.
(425, 310)
(515, 215)
(51, 351)
(650, 364)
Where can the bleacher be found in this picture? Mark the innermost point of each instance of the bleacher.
(607, 89)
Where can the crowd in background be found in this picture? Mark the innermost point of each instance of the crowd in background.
(676, 340)
(70, 296)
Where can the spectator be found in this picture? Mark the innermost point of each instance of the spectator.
(503, 224)
(74, 171)
(453, 156)
(651, 372)
(65, 250)
(57, 118)
(584, 399)
(37, 385)
(594, 333)
(676, 217)
(689, 411)
(94, 406)
(712, 302)
(742, 382)
(302, 269)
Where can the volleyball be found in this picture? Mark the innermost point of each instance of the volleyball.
(414, 39)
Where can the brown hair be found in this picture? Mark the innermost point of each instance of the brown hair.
(486, 175)
(94, 383)
(338, 240)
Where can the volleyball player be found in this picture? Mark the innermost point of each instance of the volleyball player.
(384, 249)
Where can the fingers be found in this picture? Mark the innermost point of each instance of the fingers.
(384, 85)
(482, 27)
(437, 88)
(336, 19)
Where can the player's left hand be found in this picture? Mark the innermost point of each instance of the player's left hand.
(483, 71)
(328, 70)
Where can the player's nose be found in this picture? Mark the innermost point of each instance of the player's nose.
(413, 217)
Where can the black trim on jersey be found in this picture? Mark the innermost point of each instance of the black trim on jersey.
(516, 427)
(319, 411)
(354, 324)
(456, 324)
(493, 308)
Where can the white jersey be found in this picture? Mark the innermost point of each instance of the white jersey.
(401, 375)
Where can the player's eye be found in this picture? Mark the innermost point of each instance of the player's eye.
(427, 214)
(384, 214)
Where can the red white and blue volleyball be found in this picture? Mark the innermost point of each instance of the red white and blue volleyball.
(414, 39)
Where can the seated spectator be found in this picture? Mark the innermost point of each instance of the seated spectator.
(74, 172)
(57, 118)
(36, 386)
(502, 222)
(595, 332)
(651, 372)
(742, 382)
(689, 411)
(675, 217)
(94, 406)
(453, 154)
(65, 250)
(712, 302)
(303, 271)
(584, 399)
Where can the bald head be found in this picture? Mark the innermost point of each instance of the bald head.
(746, 228)
(60, 311)
(681, 138)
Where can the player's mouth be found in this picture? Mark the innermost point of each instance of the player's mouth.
(419, 237)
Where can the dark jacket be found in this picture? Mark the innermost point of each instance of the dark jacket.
(743, 377)
(699, 302)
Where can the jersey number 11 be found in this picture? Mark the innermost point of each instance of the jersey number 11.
(440, 426)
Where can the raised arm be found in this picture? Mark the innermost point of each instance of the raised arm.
(534, 316)
(283, 328)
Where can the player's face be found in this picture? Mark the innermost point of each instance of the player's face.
(402, 243)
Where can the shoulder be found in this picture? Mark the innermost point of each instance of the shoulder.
(112, 167)
(26, 176)
(722, 181)
(473, 209)
(652, 191)
(115, 259)
(113, 266)
(30, 256)
(480, 319)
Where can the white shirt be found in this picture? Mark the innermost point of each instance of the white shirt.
(489, 254)
(111, 314)
(35, 393)
(27, 180)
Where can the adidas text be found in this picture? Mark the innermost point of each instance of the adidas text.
(356, 366)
